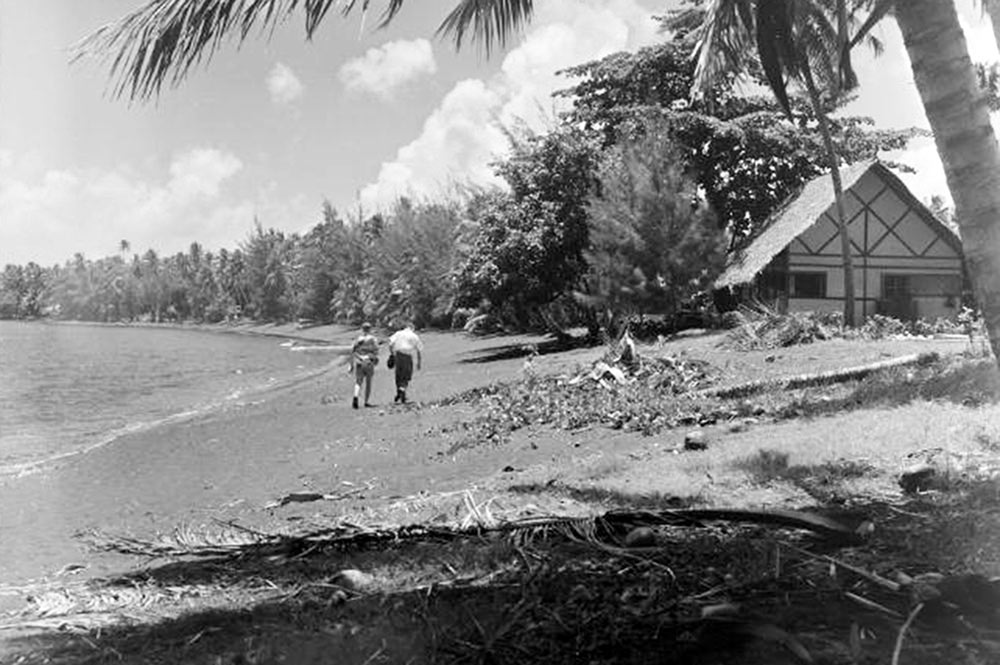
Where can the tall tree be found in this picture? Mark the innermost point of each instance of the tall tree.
(653, 243)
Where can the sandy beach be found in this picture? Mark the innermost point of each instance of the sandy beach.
(231, 463)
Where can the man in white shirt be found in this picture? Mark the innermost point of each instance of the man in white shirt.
(403, 346)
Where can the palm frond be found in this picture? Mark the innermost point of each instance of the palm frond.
(161, 41)
(877, 11)
(776, 47)
(822, 46)
(492, 22)
(724, 40)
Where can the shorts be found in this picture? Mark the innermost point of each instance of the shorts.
(364, 367)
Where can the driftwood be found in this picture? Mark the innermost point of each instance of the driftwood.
(819, 378)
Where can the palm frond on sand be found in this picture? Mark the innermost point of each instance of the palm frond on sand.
(607, 528)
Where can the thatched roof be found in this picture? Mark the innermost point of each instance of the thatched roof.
(802, 210)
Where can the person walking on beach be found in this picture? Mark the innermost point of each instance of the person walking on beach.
(403, 346)
(364, 357)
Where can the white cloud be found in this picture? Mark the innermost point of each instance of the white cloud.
(283, 85)
(381, 71)
(462, 136)
(48, 215)
(456, 144)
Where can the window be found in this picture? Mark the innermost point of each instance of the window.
(808, 284)
(895, 287)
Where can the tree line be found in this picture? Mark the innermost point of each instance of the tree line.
(627, 206)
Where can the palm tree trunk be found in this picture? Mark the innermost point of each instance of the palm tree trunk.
(838, 195)
(959, 119)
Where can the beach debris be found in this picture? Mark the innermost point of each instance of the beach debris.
(917, 478)
(675, 374)
(764, 328)
(72, 569)
(308, 497)
(353, 579)
(235, 540)
(940, 469)
(483, 324)
(641, 536)
(696, 440)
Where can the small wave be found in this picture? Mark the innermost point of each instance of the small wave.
(271, 387)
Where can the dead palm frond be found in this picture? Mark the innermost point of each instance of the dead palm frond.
(236, 540)
(161, 41)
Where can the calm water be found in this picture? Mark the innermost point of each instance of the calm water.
(65, 388)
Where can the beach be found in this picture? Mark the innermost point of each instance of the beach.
(228, 464)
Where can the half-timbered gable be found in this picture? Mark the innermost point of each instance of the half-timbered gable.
(906, 262)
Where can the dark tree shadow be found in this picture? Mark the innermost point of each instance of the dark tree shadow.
(513, 351)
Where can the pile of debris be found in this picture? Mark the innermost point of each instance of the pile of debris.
(754, 329)
(624, 365)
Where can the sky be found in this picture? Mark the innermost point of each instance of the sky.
(270, 129)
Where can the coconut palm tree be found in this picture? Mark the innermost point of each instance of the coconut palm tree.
(803, 40)
(959, 118)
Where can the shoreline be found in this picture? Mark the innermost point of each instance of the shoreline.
(277, 330)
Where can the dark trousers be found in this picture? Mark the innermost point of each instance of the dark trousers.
(404, 370)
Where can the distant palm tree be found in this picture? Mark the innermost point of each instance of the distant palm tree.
(124, 246)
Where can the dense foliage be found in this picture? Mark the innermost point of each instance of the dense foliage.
(528, 244)
(385, 269)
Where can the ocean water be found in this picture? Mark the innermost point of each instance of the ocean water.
(65, 389)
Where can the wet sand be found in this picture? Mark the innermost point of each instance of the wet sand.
(229, 464)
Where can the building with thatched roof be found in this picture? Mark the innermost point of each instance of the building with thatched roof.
(907, 263)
